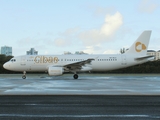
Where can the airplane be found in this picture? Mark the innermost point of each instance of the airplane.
(58, 64)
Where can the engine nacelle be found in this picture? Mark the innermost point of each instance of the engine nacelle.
(54, 71)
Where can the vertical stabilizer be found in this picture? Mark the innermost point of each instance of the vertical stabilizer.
(140, 46)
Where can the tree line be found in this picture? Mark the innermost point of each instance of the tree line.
(149, 67)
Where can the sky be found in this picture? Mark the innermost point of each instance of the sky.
(91, 26)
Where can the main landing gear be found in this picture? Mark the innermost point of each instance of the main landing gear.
(75, 76)
(24, 75)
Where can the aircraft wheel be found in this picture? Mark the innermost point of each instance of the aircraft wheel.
(75, 76)
(24, 77)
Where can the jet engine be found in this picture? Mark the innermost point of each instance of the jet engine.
(54, 71)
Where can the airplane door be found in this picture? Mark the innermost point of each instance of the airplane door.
(23, 60)
(124, 60)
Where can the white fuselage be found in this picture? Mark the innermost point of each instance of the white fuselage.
(39, 63)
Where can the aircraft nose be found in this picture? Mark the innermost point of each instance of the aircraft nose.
(6, 66)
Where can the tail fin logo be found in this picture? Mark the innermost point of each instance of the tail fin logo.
(140, 46)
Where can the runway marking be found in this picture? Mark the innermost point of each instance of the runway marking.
(80, 116)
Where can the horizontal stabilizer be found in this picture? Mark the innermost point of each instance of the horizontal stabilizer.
(145, 57)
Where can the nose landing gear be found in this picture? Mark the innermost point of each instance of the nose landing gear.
(24, 75)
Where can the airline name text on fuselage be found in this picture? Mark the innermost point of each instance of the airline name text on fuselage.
(45, 59)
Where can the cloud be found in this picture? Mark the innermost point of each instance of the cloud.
(104, 33)
(89, 50)
(92, 49)
(112, 23)
(65, 38)
(147, 6)
(99, 50)
(60, 42)
(90, 39)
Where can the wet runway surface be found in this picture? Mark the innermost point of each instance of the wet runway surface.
(91, 97)
(87, 84)
(79, 107)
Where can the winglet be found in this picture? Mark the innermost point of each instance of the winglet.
(141, 44)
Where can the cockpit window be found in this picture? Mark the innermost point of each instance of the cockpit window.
(13, 60)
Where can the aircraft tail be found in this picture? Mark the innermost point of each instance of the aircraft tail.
(140, 46)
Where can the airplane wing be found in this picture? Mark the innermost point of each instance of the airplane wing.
(144, 57)
(77, 65)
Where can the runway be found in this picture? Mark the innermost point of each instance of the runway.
(79, 107)
(87, 84)
(91, 97)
